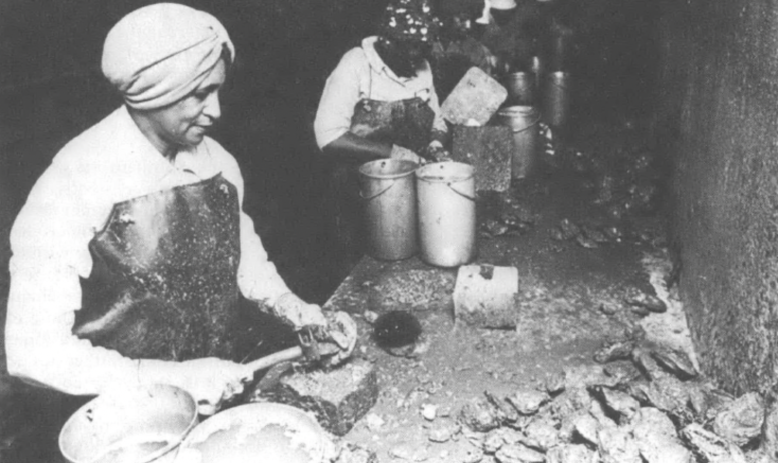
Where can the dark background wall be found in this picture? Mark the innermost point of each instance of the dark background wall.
(718, 113)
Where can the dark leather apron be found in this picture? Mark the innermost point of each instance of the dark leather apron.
(164, 286)
(407, 123)
(164, 277)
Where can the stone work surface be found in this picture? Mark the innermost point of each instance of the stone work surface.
(338, 398)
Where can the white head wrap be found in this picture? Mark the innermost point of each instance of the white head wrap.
(158, 54)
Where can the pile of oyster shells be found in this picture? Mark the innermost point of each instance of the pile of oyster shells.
(639, 404)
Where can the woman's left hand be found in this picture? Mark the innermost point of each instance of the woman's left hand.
(298, 313)
(342, 330)
(404, 154)
(436, 153)
(337, 327)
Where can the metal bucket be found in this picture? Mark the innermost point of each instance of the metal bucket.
(446, 192)
(523, 121)
(521, 88)
(556, 99)
(137, 425)
(388, 192)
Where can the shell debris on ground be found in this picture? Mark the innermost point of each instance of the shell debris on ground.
(412, 290)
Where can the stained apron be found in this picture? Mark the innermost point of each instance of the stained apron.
(164, 278)
(163, 285)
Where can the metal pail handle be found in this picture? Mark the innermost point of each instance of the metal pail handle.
(464, 195)
(529, 126)
(369, 198)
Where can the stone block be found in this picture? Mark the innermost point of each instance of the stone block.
(489, 149)
(338, 398)
(475, 98)
(485, 296)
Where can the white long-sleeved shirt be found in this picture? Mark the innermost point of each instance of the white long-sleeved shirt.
(361, 74)
(110, 162)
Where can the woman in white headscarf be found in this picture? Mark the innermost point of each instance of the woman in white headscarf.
(132, 261)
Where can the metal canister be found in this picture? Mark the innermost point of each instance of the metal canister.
(388, 189)
(556, 99)
(523, 121)
(521, 88)
(447, 222)
(559, 52)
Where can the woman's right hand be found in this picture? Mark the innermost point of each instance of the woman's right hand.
(212, 381)
(404, 154)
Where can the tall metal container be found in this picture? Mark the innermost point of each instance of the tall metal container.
(388, 190)
(556, 99)
(559, 51)
(446, 192)
(523, 121)
(521, 88)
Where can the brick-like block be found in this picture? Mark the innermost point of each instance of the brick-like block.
(489, 149)
(485, 296)
(338, 398)
(476, 97)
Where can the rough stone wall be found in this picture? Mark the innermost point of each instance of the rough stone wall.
(718, 112)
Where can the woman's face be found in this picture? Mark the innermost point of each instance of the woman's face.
(406, 57)
(187, 121)
(459, 25)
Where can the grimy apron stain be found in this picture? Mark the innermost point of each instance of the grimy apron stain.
(164, 278)
(407, 123)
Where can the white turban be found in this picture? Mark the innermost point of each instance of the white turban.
(158, 54)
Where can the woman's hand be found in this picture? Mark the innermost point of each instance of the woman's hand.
(337, 327)
(436, 151)
(342, 330)
(298, 313)
(404, 154)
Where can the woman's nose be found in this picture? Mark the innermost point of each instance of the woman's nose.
(212, 106)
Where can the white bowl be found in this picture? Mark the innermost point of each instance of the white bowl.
(266, 432)
(136, 425)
